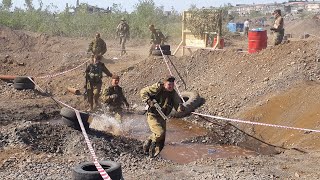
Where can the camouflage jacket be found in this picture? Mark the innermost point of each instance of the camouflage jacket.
(157, 37)
(117, 102)
(123, 29)
(278, 24)
(94, 72)
(167, 100)
(98, 47)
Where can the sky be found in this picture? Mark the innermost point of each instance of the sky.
(128, 5)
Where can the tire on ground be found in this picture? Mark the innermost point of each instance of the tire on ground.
(192, 101)
(88, 171)
(70, 119)
(165, 47)
(158, 52)
(22, 79)
(71, 114)
(20, 86)
(75, 124)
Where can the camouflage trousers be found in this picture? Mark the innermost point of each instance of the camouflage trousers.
(93, 94)
(123, 40)
(157, 126)
(278, 37)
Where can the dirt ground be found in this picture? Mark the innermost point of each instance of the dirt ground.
(278, 85)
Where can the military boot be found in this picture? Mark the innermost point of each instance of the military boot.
(152, 150)
(146, 146)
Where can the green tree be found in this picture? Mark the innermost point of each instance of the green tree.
(7, 4)
(28, 4)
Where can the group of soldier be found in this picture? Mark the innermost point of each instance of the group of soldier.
(161, 93)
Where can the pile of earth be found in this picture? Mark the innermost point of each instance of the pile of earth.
(232, 83)
(299, 27)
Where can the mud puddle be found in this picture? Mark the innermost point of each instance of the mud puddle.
(135, 126)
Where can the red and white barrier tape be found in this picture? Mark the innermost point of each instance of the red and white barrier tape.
(61, 73)
(102, 172)
(255, 123)
(242, 121)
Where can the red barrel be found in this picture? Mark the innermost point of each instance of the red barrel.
(221, 43)
(257, 40)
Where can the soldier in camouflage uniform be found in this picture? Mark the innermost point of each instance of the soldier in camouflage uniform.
(277, 29)
(123, 31)
(114, 98)
(157, 38)
(167, 98)
(97, 46)
(94, 80)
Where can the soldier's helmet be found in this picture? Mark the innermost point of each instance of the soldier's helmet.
(97, 35)
(151, 26)
(123, 19)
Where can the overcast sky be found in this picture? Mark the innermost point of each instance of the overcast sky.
(128, 5)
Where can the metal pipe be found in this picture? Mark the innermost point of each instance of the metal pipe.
(74, 90)
(7, 77)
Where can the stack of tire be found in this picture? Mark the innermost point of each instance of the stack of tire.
(23, 82)
(70, 119)
(192, 101)
(165, 50)
(88, 171)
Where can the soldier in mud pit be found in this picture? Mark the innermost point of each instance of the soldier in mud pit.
(165, 95)
(157, 38)
(123, 31)
(94, 80)
(97, 46)
(114, 98)
(277, 29)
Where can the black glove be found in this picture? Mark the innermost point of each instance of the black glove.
(150, 103)
(113, 96)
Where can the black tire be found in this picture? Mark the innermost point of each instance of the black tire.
(165, 47)
(20, 86)
(22, 79)
(88, 171)
(193, 101)
(75, 124)
(158, 53)
(71, 114)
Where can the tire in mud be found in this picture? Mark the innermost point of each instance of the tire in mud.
(88, 171)
(192, 101)
(21, 86)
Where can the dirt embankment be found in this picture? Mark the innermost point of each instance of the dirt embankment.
(278, 85)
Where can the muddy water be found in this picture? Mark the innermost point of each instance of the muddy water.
(135, 126)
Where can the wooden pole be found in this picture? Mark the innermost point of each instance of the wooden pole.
(74, 90)
(7, 77)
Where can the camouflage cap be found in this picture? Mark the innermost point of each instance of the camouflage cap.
(169, 78)
(151, 26)
(114, 76)
(123, 19)
(278, 11)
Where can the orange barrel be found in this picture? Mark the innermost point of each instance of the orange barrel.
(221, 43)
(257, 40)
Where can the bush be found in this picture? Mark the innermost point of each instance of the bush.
(81, 23)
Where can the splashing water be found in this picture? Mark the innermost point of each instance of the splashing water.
(129, 125)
